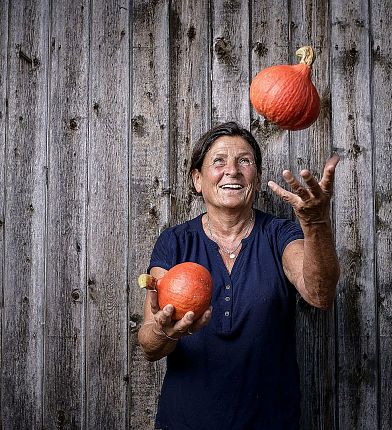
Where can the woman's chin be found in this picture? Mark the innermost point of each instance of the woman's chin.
(234, 202)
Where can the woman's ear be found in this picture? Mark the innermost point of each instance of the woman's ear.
(196, 178)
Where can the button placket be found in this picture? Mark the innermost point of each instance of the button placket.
(227, 299)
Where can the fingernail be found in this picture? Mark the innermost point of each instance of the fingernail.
(190, 316)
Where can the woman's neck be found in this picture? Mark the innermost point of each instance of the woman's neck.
(227, 224)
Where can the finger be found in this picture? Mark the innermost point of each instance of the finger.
(297, 188)
(153, 301)
(164, 317)
(311, 182)
(203, 320)
(326, 182)
(181, 327)
(282, 193)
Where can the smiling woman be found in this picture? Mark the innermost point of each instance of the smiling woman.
(243, 352)
(228, 178)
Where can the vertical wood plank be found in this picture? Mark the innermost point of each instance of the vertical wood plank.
(351, 122)
(381, 15)
(3, 190)
(149, 185)
(66, 232)
(3, 122)
(269, 47)
(190, 97)
(310, 148)
(107, 235)
(230, 61)
(24, 236)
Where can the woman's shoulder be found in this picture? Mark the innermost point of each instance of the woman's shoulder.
(272, 226)
(278, 231)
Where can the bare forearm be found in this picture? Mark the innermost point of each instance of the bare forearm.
(154, 343)
(320, 264)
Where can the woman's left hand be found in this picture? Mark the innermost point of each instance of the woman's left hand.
(311, 204)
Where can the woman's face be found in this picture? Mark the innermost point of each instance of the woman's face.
(228, 177)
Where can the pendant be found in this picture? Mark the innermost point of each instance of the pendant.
(232, 256)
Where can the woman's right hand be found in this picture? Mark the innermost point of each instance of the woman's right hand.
(159, 333)
(176, 329)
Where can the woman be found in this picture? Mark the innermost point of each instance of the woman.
(235, 368)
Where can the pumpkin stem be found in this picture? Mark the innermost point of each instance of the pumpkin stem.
(306, 55)
(147, 281)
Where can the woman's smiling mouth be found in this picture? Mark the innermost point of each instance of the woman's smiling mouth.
(231, 187)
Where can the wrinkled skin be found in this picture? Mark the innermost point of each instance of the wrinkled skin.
(311, 204)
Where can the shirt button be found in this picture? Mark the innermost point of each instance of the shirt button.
(227, 287)
(227, 299)
(227, 313)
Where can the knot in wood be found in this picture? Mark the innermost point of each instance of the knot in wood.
(222, 49)
(75, 295)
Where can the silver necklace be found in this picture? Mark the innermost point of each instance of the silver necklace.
(231, 253)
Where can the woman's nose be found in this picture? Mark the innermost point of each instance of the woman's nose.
(231, 167)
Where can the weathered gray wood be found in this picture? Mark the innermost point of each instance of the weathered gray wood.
(310, 149)
(24, 226)
(269, 46)
(190, 105)
(230, 62)
(351, 133)
(107, 217)
(149, 185)
(381, 17)
(3, 121)
(66, 232)
(119, 130)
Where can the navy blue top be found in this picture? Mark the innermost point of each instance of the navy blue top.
(240, 371)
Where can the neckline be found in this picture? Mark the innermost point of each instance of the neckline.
(243, 241)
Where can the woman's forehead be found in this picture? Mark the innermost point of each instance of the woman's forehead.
(230, 144)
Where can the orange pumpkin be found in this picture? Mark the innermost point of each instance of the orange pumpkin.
(187, 286)
(285, 95)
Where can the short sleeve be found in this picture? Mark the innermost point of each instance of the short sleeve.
(162, 253)
(286, 231)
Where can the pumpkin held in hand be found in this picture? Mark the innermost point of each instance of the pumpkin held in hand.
(187, 286)
(285, 95)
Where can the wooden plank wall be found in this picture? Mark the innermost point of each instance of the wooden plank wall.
(100, 104)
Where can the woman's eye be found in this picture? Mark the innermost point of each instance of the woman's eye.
(219, 161)
(244, 162)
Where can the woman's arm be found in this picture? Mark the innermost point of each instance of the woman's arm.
(312, 264)
(159, 334)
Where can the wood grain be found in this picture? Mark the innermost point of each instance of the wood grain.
(381, 54)
(149, 186)
(65, 377)
(25, 213)
(230, 62)
(3, 140)
(107, 217)
(354, 211)
(190, 98)
(309, 149)
(269, 46)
